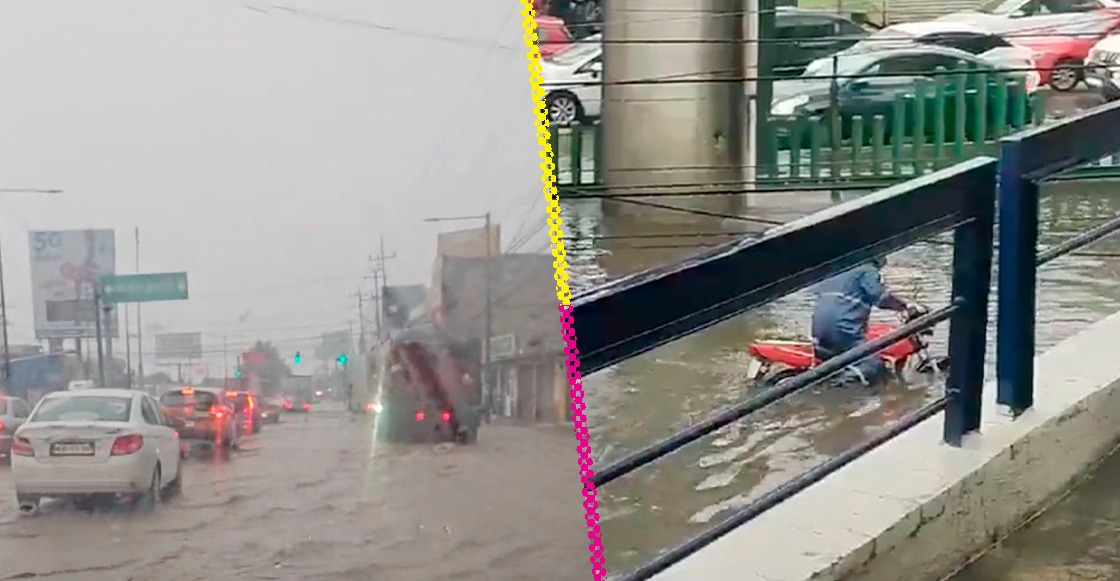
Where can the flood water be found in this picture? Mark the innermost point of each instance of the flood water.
(653, 395)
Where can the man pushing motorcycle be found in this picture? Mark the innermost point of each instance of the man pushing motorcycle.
(841, 315)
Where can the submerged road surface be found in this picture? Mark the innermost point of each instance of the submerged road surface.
(314, 498)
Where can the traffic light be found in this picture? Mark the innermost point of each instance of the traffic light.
(297, 358)
(342, 359)
(237, 373)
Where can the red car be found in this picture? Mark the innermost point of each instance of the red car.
(1060, 52)
(552, 36)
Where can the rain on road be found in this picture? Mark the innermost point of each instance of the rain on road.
(315, 498)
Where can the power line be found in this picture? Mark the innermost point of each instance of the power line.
(695, 212)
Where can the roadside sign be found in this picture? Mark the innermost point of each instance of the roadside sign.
(144, 288)
(65, 268)
(503, 347)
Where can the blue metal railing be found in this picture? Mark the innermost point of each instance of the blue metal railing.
(638, 313)
(1026, 159)
(633, 315)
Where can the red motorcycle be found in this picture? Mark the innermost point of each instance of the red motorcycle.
(775, 360)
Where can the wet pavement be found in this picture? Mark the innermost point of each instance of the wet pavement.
(314, 498)
(1076, 540)
(651, 396)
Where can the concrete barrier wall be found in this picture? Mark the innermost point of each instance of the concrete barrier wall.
(916, 509)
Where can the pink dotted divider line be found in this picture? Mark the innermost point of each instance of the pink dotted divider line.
(579, 427)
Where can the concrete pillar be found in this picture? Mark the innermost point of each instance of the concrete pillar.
(667, 127)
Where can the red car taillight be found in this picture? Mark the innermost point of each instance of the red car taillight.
(125, 445)
(445, 417)
(287, 405)
(22, 447)
(217, 412)
(306, 406)
(419, 416)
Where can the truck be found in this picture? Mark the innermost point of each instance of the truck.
(427, 387)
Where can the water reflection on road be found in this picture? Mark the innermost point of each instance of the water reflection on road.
(662, 391)
(315, 498)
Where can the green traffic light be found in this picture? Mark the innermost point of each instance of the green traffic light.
(342, 359)
(237, 373)
(297, 358)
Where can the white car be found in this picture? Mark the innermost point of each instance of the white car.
(970, 38)
(1005, 16)
(573, 82)
(92, 444)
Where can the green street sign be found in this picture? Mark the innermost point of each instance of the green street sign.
(143, 288)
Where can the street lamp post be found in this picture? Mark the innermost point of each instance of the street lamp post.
(487, 383)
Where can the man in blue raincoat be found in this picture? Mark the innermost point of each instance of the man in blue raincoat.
(843, 309)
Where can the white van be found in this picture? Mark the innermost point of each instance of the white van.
(1102, 68)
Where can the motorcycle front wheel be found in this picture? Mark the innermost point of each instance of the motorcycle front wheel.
(772, 379)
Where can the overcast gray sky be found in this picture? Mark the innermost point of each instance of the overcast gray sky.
(262, 147)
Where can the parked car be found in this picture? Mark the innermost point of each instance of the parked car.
(573, 78)
(807, 35)
(1060, 52)
(1011, 16)
(203, 415)
(1102, 68)
(868, 85)
(573, 82)
(13, 412)
(91, 445)
(961, 36)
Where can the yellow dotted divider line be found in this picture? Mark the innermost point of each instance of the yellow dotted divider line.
(563, 292)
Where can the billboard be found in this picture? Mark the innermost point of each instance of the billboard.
(178, 346)
(65, 267)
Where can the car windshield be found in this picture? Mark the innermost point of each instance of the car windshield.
(579, 53)
(843, 67)
(201, 400)
(3, 405)
(1000, 7)
(83, 409)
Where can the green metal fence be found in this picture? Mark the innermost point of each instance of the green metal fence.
(942, 122)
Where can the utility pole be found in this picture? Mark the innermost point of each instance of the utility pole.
(380, 281)
(361, 322)
(487, 387)
(139, 323)
(4, 315)
(378, 304)
(127, 348)
(225, 362)
(97, 325)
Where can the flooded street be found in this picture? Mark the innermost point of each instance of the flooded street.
(651, 396)
(314, 498)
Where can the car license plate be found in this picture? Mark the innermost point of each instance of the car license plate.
(753, 369)
(201, 414)
(72, 449)
(188, 424)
